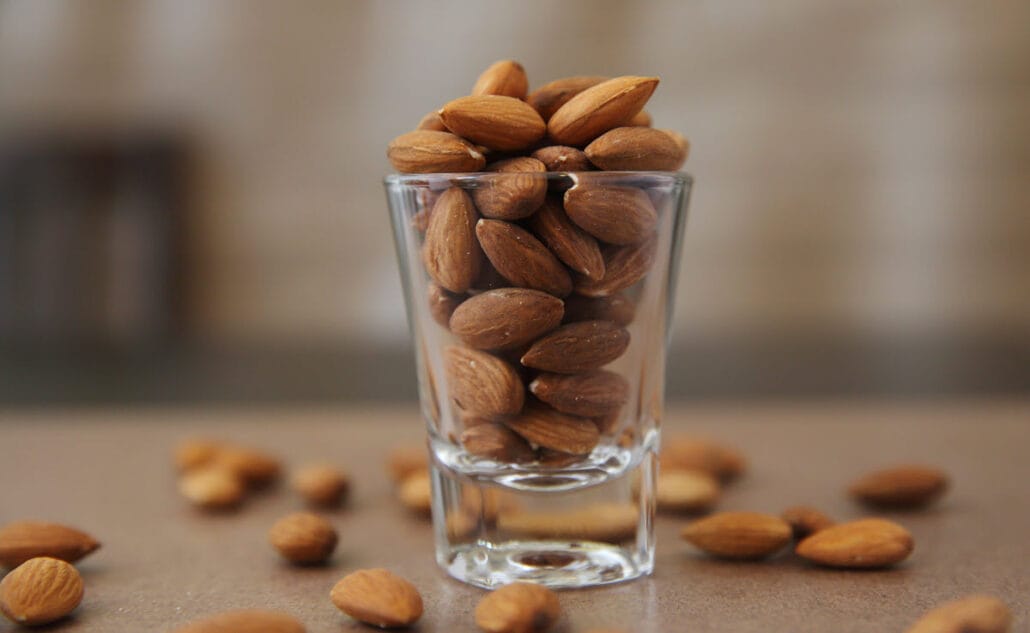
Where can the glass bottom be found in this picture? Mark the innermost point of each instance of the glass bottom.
(491, 533)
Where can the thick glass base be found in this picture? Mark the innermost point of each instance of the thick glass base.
(489, 534)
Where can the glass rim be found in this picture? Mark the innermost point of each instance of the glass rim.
(680, 177)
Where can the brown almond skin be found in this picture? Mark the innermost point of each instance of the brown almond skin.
(488, 279)
(251, 620)
(623, 267)
(40, 591)
(548, 98)
(506, 78)
(578, 347)
(634, 149)
(416, 493)
(592, 394)
(321, 485)
(22, 540)
(514, 195)
(483, 384)
(563, 158)
(520, 607)
(600, 108)
(451, 252)
(969, 614)
(497, 442)
(521, 258)
(909, 486)
(212, 488)
(686, 491)
(682, 143)
(442, 303)
(616, 308)
(739, 535)
(613, 214)
(685, 452)
(431, 122)
(429, 151)
(254, 468)
(499, 123)
(640, 119)
(303, 538)
(862, 544)
(506, 318)
(557, 431)
(195, 453)
(806, 520)
(403, 461)
(378, 597)
(576, 248)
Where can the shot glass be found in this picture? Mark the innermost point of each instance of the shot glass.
(539, 305)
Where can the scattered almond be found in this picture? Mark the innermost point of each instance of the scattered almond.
(623, 267)
(864, 543)
(590, 394)
(196, 452)
(521, 258)
(909, 486)
(416, 493)
(497, 442)
(22, 540)
(600, 108)
(577, 347)
(254, 468)
(543, 426)
(451, 254)
(303, 537)
(518, 608)
(612, 214)
(805, 520)
(686, 452)
(576, 248)
(686, 491)
(739, 535)
(562, 158)
(515, 193)
(407, 460)
(40, 591)
(971, 614)
(506, 318)
(548, 98)
(245, 621)
(483, 384)
(429, 151)
(321, 485)
(682, 143)
(506, 78)
(500, 123)
(634, 149)
(212, 488)
(378, 597)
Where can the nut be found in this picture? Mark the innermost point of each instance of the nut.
(548, 98)
(576, 248)
(635, 149)
(685, 452)
(909, 486)
(865, 543)
(303, 537)
(640, 119)
(623, 267)
(212, 488)
(431, 122)
(506, 318)
(805, 520)
(598, 393)
(483, 384)
(518, 608)
(22, 540)
(500, 123)
(451, 254)
(416, 493)
(254, 468)
(686, 491)
(521, 258)
(40, 590)
(615, 308)
(497, 442)
(378, 597)
(602, 522)
(442, 303)
(739, 535)
(552, 429)
(971, 614)
(406, 460)
(600, 108)
(254, 620)
(196, 452)
(514, 195)
(429, 151)
(321, 485)
(562, 158)
(577, 347)
(506, 78)
(612, 214)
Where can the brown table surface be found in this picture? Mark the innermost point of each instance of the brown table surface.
(163, 563)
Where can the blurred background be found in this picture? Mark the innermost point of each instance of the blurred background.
(191, 206)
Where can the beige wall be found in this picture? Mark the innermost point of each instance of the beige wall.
(863, 168)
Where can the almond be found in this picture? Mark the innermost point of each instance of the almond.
(489, 278)
(615, 308)
(515, 193)
(613, 214)
(686, 491)
(623, 267)
(406, 460)
(246, 620)
(429, 151)
(500, 123)
(506, 318)
(600, 108)
(378, 597)
(634, 149)
(591, 394)
(431, 122)
(253, 467)
(416, 493)
(578, 347)
(685, 452)
(451, 253)
(859, 544)
(739, 535)
(22, 540)
(521, 258)
(552, 429)
(506, 78)
(196, 452)
(571, 244)
(303, 537)
(212, 488)
(40, 591)
(971, 614)
(442, 303)
(496, 442)
(483, 384)
(562, 158)
(908, 486)
(556, 459)
(640, 119)
(603, 522)
(520, 607)
(548, 98)
(805, 520)
(682, 143)
(321, 485)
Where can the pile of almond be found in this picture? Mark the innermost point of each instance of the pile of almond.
(535, 276)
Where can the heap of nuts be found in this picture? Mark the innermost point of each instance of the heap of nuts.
(534, 275)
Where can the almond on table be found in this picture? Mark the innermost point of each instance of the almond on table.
(909, 486)
(303, 537)
(378, 597)
(258, 620)
(22, 540)
(518, 608)
(40, 591)
(739, 535)
(862, 544)
(970, 614)
(321, 485)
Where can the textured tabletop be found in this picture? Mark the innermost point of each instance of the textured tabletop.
(163, 563)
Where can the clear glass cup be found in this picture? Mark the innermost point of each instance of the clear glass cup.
(543, 463)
